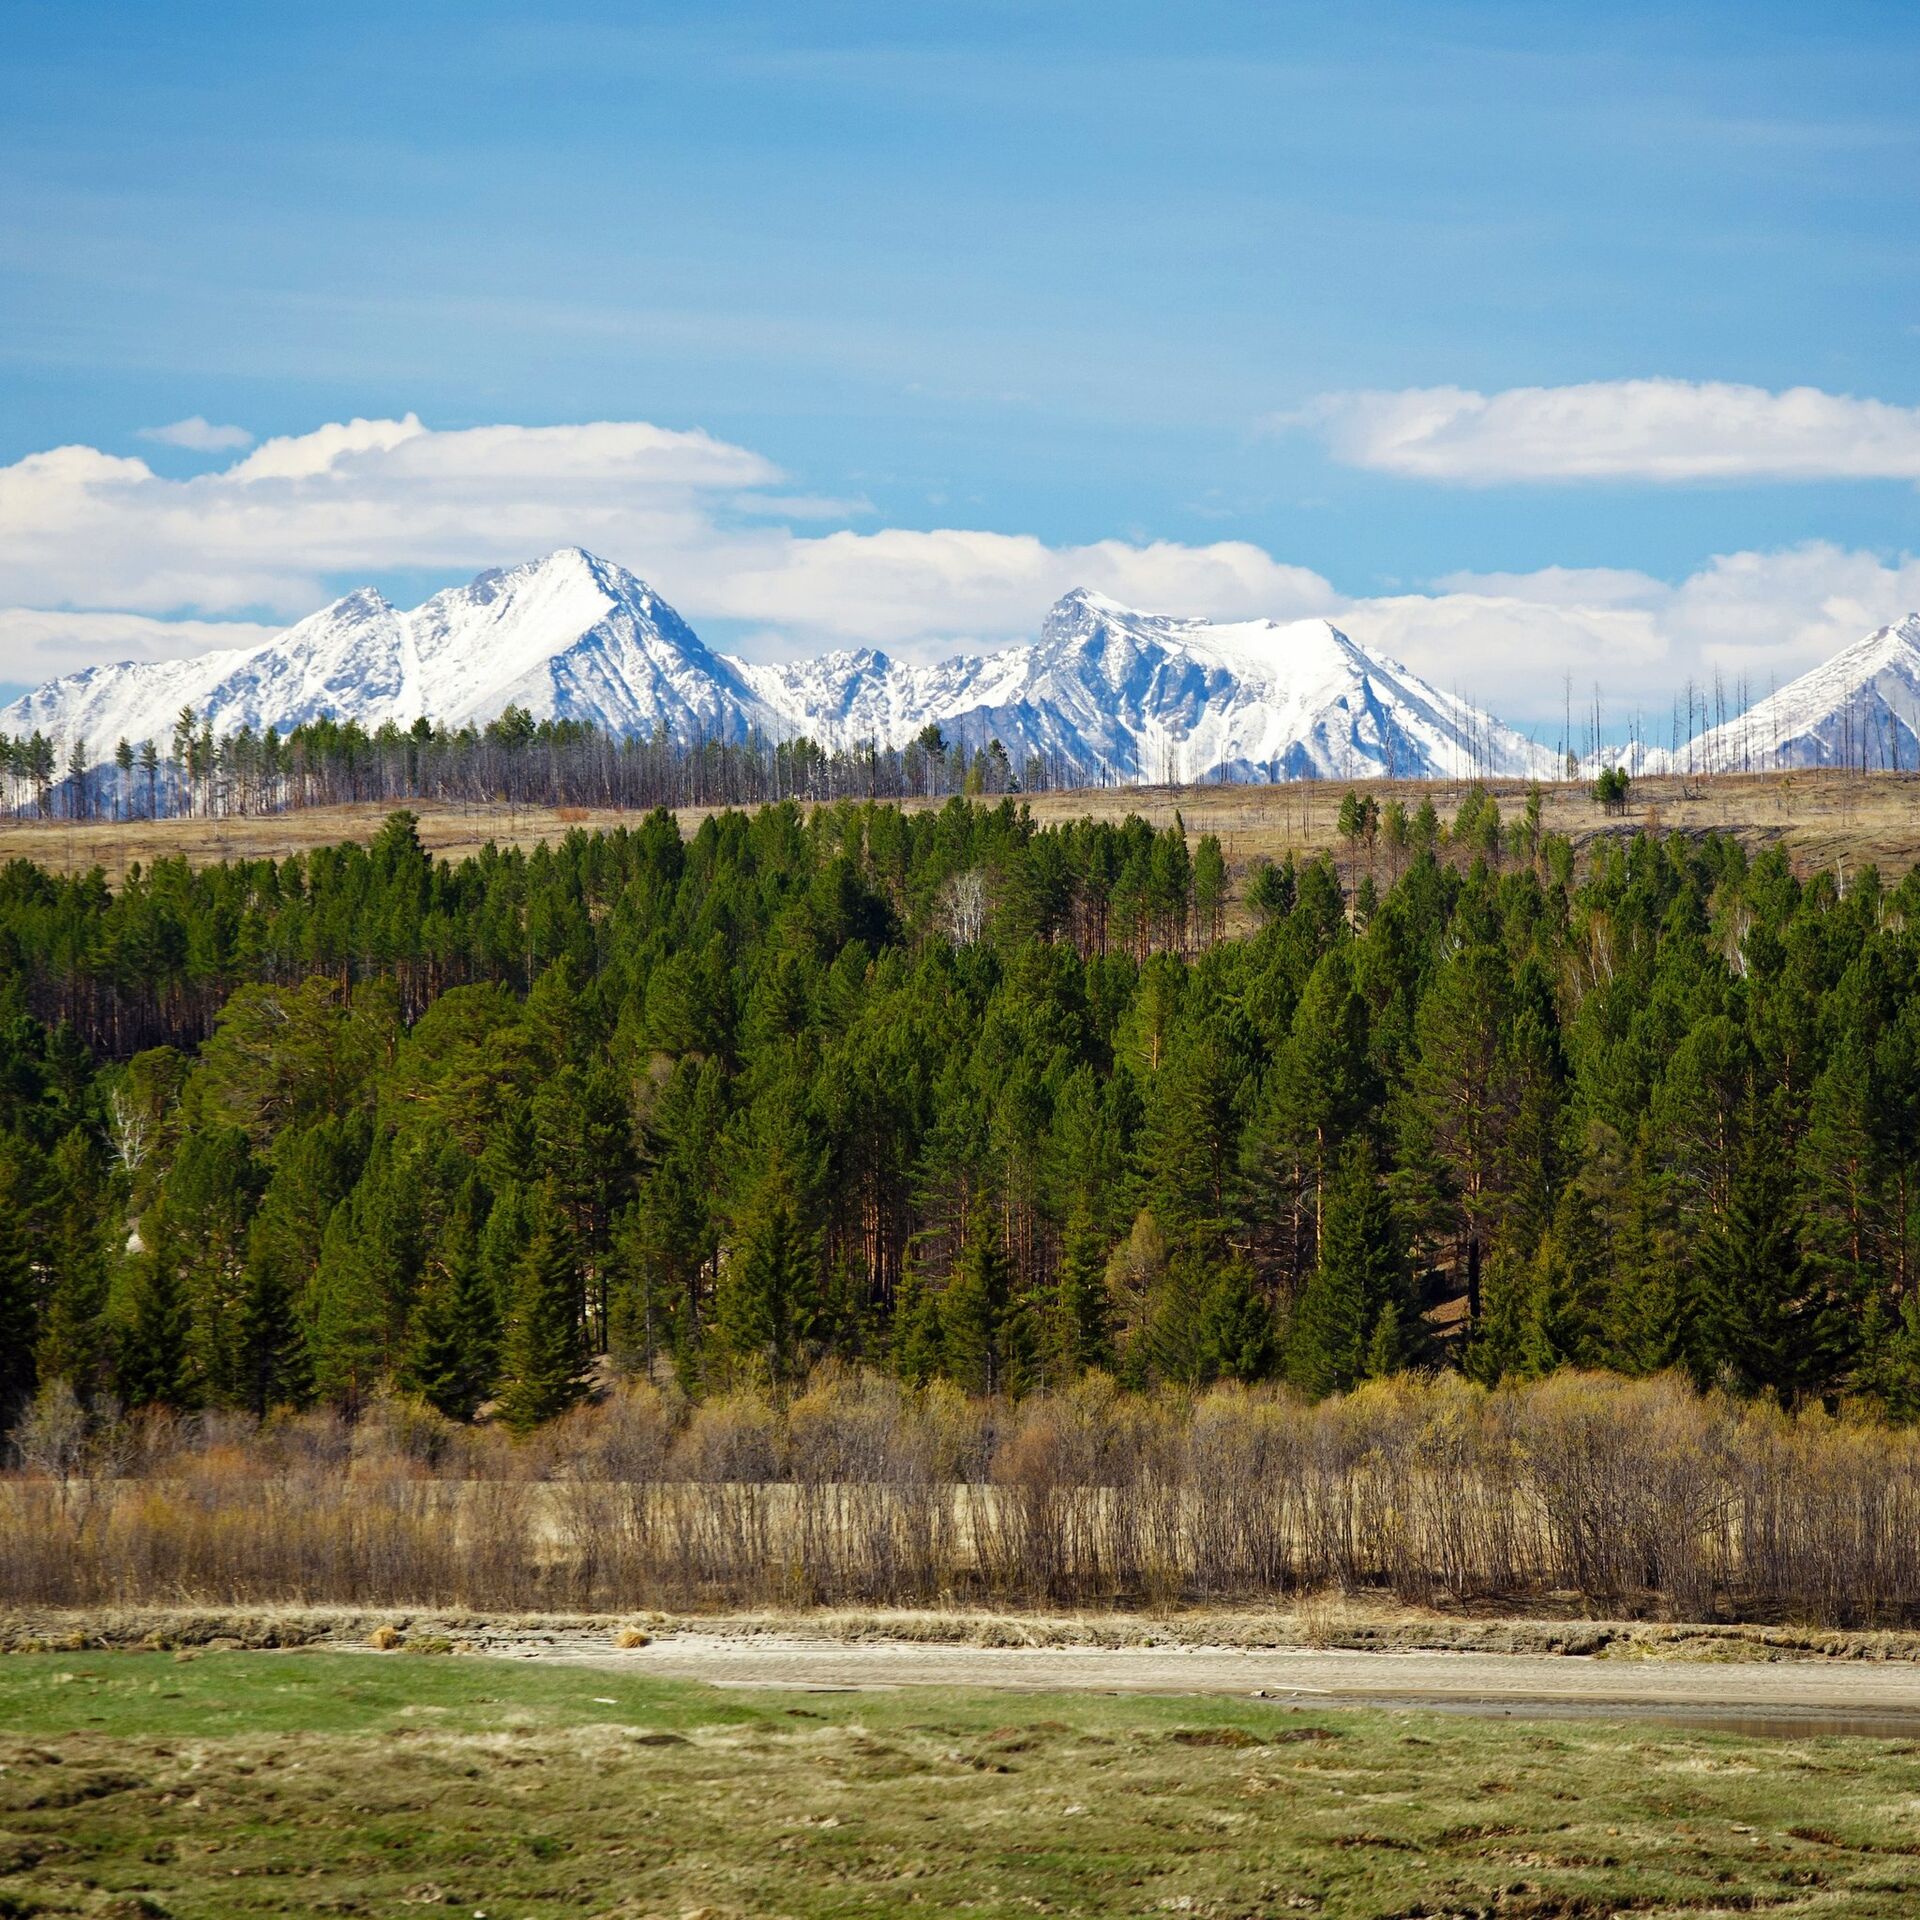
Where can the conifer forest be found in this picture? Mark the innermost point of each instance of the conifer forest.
(1454, 1216)
(951, 1096)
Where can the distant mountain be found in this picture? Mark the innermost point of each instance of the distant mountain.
(1151, 697)
(567, 637)
(1862, 707)
(1104, 690)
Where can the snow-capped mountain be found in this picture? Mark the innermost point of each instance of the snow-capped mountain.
(1152, 697)
(1105, 689)
(567, 637)
(1861, 708)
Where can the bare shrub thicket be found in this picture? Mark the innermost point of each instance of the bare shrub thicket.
(1623, 1496)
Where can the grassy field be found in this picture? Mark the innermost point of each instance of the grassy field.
(1822, 818)
(329, 1783)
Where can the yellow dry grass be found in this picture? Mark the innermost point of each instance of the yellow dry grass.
(1823, 819)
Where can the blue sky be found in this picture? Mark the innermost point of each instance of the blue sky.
(1086, 274)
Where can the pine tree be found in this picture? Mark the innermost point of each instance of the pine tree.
(205, 1205)
(1362, 1273)
(314, 1171)
(71, 1342)
(1175, 1343)
(1771, 1324)
(1393, 1346)
(973, 1310)
(769, 1292)
(151, 1363)
(370, 1264)
(543, 1359)
(1564, 1321)
(1083, 1304)
(1237, 1335)
(1320, 1088)
(919, 1339)
(453, 1344)
(19, 1302)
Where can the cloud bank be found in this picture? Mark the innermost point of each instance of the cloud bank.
(1658, 430)
(101, 558)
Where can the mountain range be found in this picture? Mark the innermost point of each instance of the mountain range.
(1105, 691)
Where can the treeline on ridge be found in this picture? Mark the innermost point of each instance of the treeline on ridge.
(512, 760)
(956, 1097)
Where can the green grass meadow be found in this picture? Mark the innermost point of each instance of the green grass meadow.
(322, 1783)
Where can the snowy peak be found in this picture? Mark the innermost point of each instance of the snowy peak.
(569, 636)
(1861, 708)
(1106, 690)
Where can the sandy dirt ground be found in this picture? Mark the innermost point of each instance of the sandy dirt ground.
(1325, 1653)
(1798, 1696)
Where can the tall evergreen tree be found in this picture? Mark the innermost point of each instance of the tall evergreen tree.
(1083, 1305)
(1362, 1276)
(1773, 1323)
(19, 1287)
(770, 1285)
(544, 1358)
(974, 1309)
(453, 1344)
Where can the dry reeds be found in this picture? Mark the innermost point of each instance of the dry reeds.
(1632, 1497)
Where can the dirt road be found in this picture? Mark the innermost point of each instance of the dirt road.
(1790, 1696)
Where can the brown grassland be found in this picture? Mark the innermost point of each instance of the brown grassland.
(1822, 818)
(229, 1784)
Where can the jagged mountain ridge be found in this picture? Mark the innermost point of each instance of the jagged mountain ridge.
(567, 637)
(1105, 688)
(1152, 696)
(1860, 708)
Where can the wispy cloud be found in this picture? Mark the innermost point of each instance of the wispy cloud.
(122, 551)
(710, 522)
(1514, 641)
(199, 435)
(1652, 430)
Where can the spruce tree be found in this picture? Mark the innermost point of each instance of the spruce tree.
(1237, 1335)
(71, 1341)
(544, 1359)
(919, 1339)
(19, 1302)
(453, 1344)
(1362, 1273)
(1771, 1323)
(1083, 1303)
(974, 1309)
(151, 1365)
(769, 1292)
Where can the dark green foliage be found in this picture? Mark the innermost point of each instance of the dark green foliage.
(19, 1314)
(997, 1102)
(544, 1351)
(1771, 1323)
(769, 1296)
(975, 1312)
(1237, 1335)
(1361, 1279)
(1083, 1307)
(453, 1345)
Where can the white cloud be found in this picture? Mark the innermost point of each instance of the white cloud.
(199, 435)
(715, 528)
(1658, 430)
(706, 520)
(897, 587)
(38, 645)
(1511, 641)
(81, 527)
